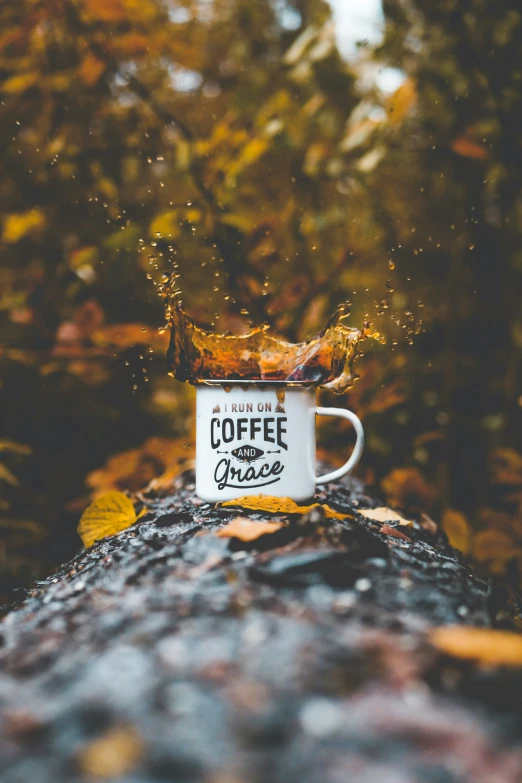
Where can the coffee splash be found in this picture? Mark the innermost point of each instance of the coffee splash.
(196, 355)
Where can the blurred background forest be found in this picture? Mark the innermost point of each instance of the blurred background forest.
(281, 160)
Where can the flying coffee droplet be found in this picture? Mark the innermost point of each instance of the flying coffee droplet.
(389, 286)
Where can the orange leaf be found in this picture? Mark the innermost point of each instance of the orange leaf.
(167, 478)
(406, 487)
(468, 149)
(247, 529)
(156, 463)
(106, 10)
(282, 506)
(131, 44)
(484, 645)
(403, 99)
(384, 514)
(91, 69)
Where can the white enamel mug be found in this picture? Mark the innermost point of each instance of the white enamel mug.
(259, 438)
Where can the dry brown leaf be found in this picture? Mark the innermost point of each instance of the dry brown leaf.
(112, 755)
(91, 69)
(119, 472)
(106, 516)
(391, 531)
(385, 514)
(167, 479)
(456, 527)
(154, 465)
(428, 524)
(282, 506)
(483, 645)
(247, 529)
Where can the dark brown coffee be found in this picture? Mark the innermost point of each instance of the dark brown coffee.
(326, 360)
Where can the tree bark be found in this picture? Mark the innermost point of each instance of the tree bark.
(167, 653)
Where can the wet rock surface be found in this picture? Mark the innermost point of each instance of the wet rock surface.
(167, 653)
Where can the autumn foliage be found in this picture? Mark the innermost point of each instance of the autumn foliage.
(230, 144)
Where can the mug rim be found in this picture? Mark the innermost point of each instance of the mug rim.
(249, 382)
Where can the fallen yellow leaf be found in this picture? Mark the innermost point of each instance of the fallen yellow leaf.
(457, 529)
(107, 515)
(385, 514)
(247, 529)
(484, 645)
(282, 506)
(112, 755)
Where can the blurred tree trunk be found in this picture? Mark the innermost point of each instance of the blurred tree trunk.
(171, 652)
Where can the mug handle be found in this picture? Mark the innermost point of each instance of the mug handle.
(357, 449)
